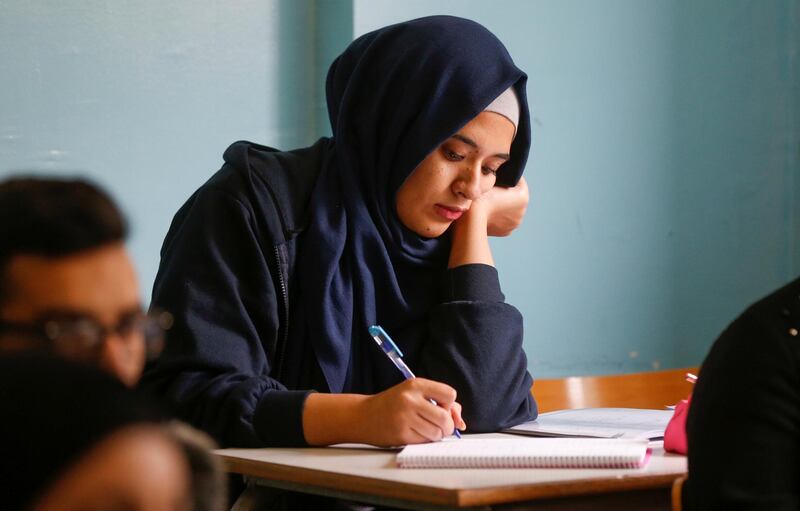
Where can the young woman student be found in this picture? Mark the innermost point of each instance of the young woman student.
(744, 422)
(278, 265)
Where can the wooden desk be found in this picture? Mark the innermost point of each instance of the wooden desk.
(371, 476)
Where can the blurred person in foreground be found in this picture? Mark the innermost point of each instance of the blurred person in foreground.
(744, 422)
(67, 284)
(68, 288)
(75, 439)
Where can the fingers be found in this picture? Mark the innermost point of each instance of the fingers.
(415, 437)
(455, 412)
(414, 411)
(524, 193)
(447, 415)
(438, 422)
(433, 428)
(439, 418)
(445, 397)
(508, 206)
(443, 394)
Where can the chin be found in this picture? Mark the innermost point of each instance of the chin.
(431, 231)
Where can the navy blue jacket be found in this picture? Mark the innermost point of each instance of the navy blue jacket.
(238, 363)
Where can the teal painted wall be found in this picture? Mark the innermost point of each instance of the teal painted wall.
(665, 172)
(145, 96)
(735, 186)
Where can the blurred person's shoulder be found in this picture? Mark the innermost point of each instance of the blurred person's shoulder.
(765, 335)
(778, 314)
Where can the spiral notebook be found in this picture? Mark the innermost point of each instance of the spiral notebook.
(526, 453)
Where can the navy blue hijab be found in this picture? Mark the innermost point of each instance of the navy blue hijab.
(394, 96)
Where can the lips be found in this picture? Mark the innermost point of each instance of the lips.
(448, 212)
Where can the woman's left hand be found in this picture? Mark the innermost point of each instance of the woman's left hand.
(495, 213)
(505, 208)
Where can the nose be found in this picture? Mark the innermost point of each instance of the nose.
(468, 184)
(122, 360)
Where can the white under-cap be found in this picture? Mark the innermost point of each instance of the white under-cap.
(507, 105)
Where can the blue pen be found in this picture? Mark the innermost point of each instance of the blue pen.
(395, 355)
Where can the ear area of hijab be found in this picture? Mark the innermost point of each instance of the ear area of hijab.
(507, 105)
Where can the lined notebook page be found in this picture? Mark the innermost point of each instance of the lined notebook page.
(526, 453)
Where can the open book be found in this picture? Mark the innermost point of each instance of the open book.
(526, 453)
(633, 423)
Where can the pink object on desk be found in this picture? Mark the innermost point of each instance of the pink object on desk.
(675, 434)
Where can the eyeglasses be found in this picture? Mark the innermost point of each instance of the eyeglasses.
(83, 336)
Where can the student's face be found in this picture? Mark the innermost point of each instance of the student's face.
(135, 469)
(456, 173)
(98, 285)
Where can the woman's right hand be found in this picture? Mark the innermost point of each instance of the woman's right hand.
(404, 414)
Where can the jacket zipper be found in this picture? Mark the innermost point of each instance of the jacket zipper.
(284, 336)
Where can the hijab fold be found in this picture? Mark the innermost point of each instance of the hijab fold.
(393, 96)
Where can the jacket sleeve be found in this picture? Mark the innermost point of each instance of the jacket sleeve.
(215, 279)
(475, 345)
(744, 422)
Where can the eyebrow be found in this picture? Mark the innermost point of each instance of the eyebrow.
(472, 143)
(73, 314)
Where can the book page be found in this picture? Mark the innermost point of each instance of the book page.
(633, 423)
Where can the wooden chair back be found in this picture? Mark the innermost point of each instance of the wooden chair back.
(653, 389)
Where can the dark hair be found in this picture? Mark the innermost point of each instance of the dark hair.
(54, 217)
